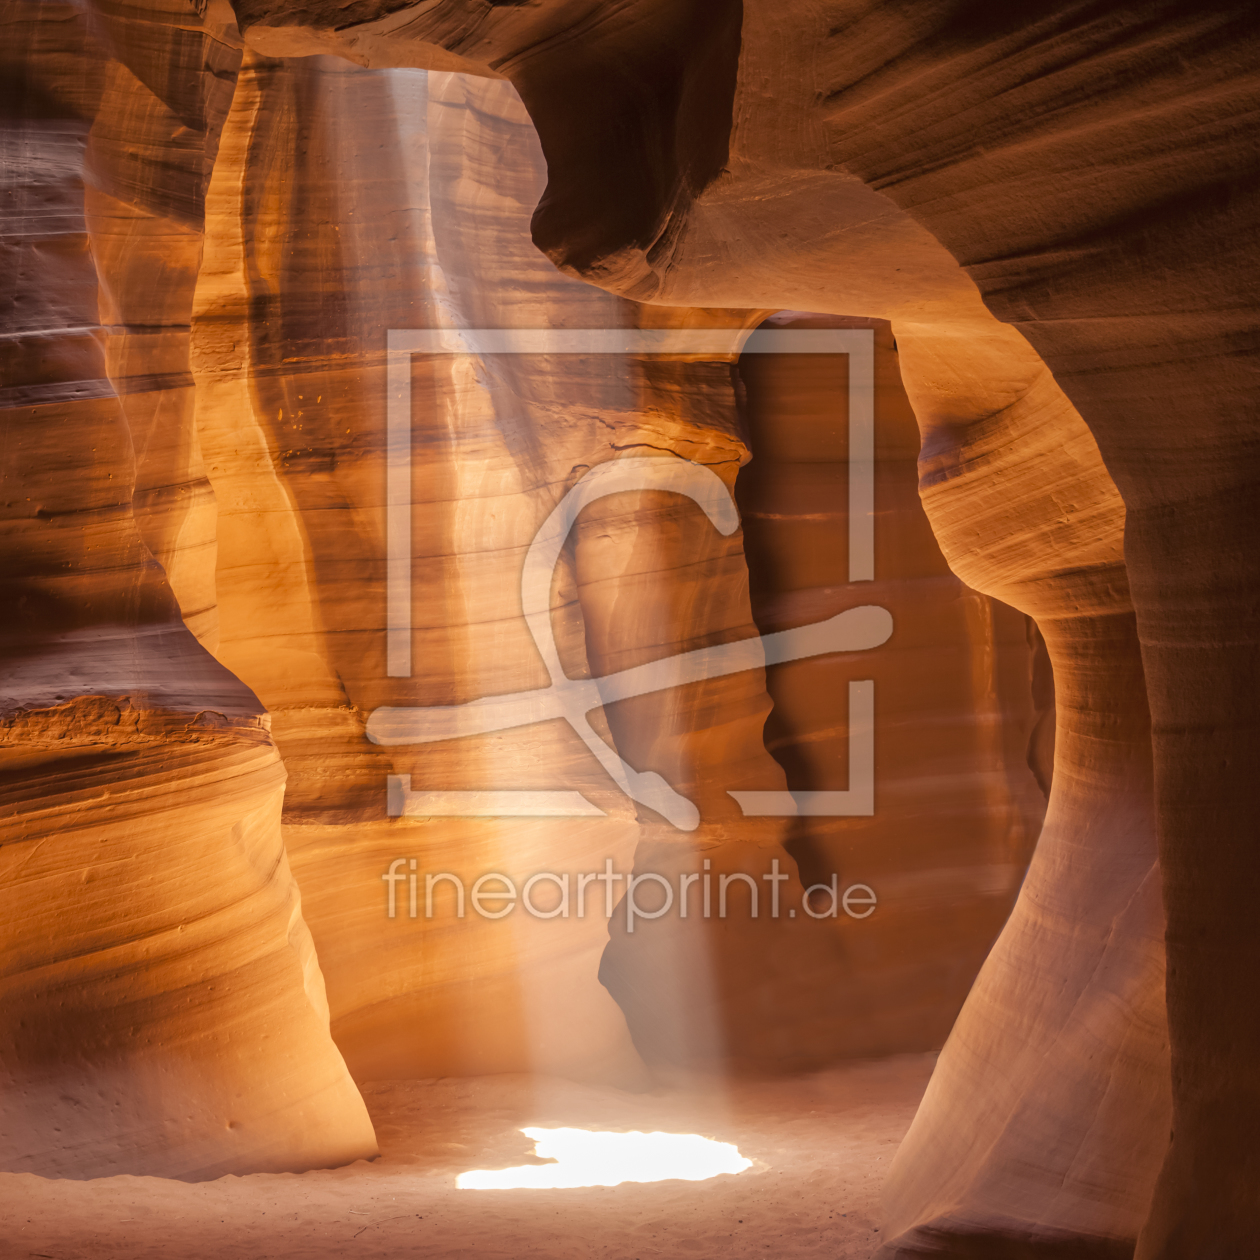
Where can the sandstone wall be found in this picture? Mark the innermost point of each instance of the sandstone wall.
(321, 239)
(343, 203)
(347, 202)
(1074, 171)
(163, 1011)
(1054, 153)
(956, 810)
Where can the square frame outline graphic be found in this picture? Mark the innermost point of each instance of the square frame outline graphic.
(718, 343)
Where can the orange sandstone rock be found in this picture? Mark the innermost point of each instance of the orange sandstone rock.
(163, 1012)
(1075, 171)
(849, 162)
(319, 242)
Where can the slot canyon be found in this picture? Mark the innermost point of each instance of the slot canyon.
(580, 571)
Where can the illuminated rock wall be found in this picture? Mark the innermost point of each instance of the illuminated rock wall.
(956, 809)
(349, 202)
(1083, 174)
(1068, 1138)
(1076, 172)
(321, 239)
(163, 1011)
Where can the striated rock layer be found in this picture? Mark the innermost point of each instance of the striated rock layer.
(1067, 1141)
(1072, 169)
(163, 1012)
(1084, 166)
(347, 202)
(320, 240)
(956, 809)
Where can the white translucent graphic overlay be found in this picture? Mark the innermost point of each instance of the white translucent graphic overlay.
(856, 629)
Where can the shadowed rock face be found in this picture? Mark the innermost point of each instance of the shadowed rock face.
(1055, 210)
(641, 126)
(407, 204)
(344, 202)
(1083, 166)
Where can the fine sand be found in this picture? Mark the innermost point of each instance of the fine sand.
(821, 1145)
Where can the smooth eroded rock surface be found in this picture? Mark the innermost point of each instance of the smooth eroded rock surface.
(163, 1011)
(405, 205)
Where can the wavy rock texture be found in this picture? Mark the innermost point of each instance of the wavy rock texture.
(347, 202)
(1152, 98)
(1059, 1152)
(1078, 171)
(163, 1009)
(956, 808)
(1086, 167)
(320, 221)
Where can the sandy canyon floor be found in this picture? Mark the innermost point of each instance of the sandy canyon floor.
(821, 1145)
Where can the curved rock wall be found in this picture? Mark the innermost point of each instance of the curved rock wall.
(163, 1009)
(956, 809)
(1087, 165)
(321, 239)
(1055, 152)
(1066, 1139)
(1083, 165)
(347, 202)
(1161, 361)
(1158, 359)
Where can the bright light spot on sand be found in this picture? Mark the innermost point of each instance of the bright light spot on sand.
(607, 1159)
